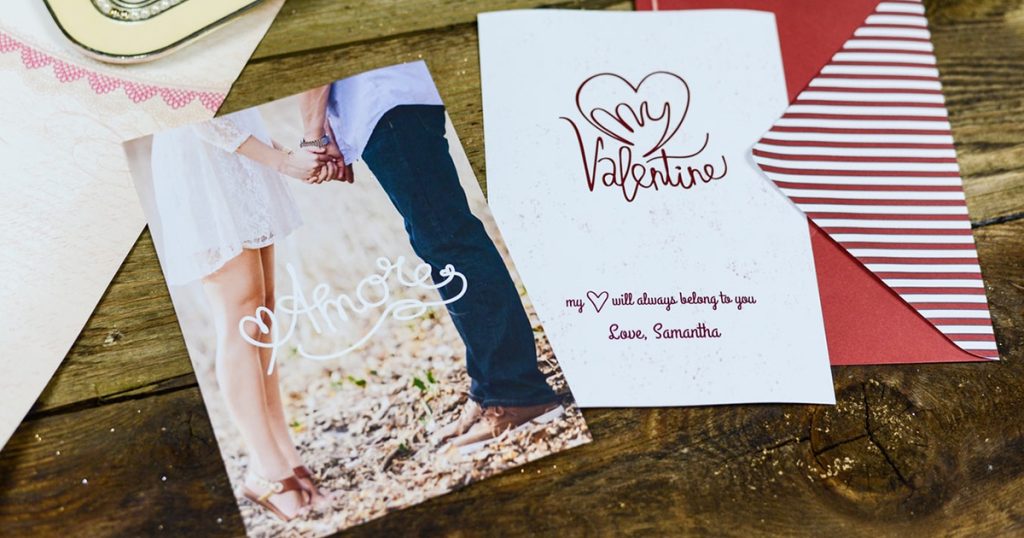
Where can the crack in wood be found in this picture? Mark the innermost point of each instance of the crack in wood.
(997, 220)
(871, 436)
(787, 442)
(838, 444)
(150, 390)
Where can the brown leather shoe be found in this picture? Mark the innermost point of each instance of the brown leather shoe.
(308, 483)
(470, 413)
(497, 420)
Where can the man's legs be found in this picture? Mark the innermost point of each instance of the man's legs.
(408, 153)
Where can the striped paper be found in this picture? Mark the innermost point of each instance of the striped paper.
(866, 151)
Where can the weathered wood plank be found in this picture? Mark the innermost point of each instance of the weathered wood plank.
(144, 467)
(321, 24)
(980, 49)
(923, 449)
(131, 344)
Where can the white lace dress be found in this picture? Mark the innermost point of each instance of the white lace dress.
(213, 202)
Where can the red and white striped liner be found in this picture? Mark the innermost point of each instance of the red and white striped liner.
(866, 151)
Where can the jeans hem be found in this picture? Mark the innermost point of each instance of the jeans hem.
(515, 402)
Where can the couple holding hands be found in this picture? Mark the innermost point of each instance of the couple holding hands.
(222, 203)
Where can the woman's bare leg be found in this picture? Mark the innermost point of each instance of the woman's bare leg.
(278, 423)
(235, 291)
(271, 385)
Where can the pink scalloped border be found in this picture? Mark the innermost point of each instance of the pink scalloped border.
(102, 84)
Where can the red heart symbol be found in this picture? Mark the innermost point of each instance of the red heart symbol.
(598, 299)
(644, 115)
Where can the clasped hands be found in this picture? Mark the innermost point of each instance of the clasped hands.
(316, 165)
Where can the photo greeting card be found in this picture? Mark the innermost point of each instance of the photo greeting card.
(666, 269)
(360, 337)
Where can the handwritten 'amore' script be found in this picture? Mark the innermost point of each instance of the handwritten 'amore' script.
(326, 311)
(639, 120)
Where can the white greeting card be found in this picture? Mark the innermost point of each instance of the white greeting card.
(663, 265)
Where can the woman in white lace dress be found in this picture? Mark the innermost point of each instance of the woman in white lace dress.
(222, 202)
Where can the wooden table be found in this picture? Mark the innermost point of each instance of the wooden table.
(120, 444)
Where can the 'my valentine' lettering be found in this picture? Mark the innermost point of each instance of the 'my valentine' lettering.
(635, 123)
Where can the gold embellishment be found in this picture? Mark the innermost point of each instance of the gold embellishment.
(134, 10)
(272, 488)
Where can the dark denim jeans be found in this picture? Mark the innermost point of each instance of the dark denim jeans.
(409, 155)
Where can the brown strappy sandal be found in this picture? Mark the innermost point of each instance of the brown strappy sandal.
(308, 483)
(274, 488)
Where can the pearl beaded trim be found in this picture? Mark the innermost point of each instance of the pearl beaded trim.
(134, 10)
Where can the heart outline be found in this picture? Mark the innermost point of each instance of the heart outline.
(593, 296)
(671, 128)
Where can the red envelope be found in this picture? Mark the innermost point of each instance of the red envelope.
(865, 150)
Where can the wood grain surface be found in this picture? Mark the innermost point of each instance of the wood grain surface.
(120, 444)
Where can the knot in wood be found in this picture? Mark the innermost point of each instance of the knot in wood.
(878, 454)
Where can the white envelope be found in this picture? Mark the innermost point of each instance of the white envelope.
(644, 292)
(70, 211)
